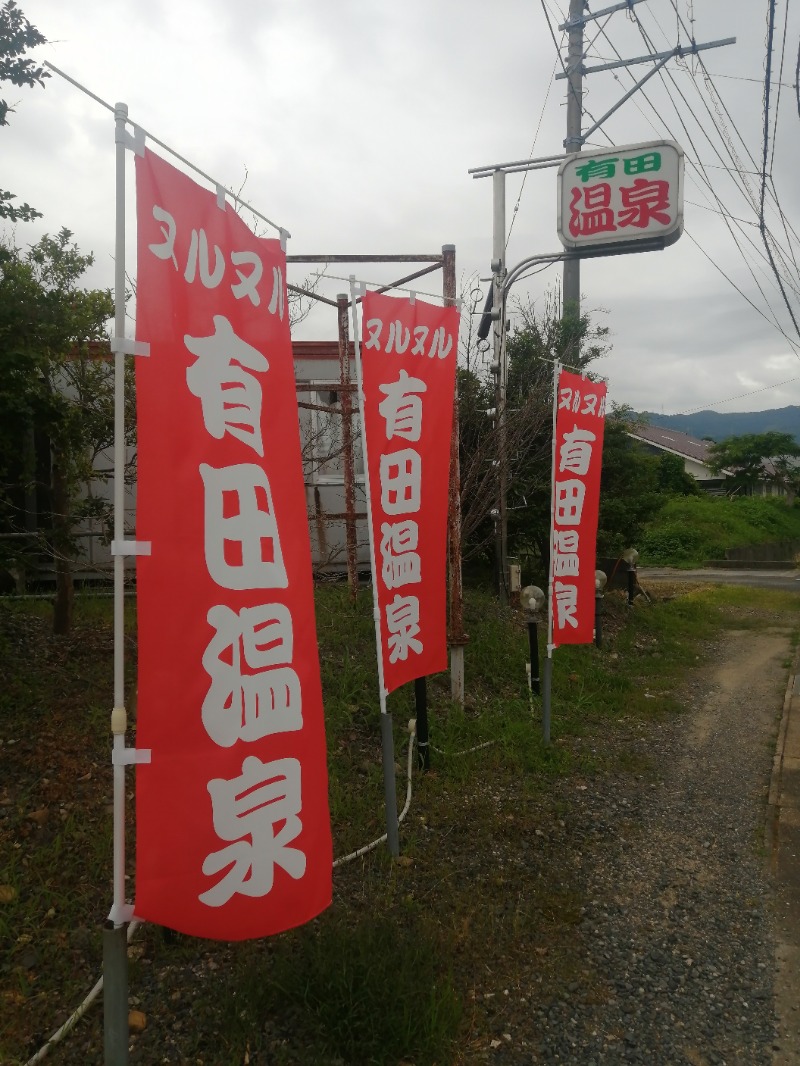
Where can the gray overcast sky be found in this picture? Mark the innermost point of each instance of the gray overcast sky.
(356, 122)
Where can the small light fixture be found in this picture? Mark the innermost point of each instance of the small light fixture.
(630, 556)
(600, 582)
(531, 599)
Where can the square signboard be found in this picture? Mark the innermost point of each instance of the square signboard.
(622, 194)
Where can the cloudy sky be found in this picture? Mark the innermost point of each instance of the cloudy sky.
(355, 122)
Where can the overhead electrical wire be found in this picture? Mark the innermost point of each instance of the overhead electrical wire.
(530, 154)
(737, 170)
(699, 163)
(718, 100)
(776, 273)
(725, 213)
(780, 84)
(762, 224)
(719, 104)
(741, 396)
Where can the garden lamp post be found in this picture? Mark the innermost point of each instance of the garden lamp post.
(600, 581)
(532, 600)
(630, 556)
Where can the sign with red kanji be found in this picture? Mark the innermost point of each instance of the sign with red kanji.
(623, 194)
(233, 832)
(577, 461)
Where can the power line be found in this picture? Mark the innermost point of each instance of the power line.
(717, 99)
(530, 154)
(780, 82)
(723, 210)
(762, 225)
(741, 396)
(744, 296)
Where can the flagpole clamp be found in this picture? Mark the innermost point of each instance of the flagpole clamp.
(121, 913)
(130, 756)
(132, 141)
(131, 547)
(128, 346)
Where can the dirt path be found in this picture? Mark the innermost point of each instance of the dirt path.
(677, 952)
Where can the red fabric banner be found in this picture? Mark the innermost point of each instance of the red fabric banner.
(233, 831)
(577, 461)
(408, 357)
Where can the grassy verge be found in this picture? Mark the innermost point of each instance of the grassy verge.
(413, 958)
(689, 530)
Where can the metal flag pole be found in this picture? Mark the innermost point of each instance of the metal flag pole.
(547, 687)
(115, 950)
(387, 737)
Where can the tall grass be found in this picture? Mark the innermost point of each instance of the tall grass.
(690, 530)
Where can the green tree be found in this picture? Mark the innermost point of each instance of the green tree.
(673, 480)
(754, 457)
(17, 36)
(56, 390)
(541, 337)
(629, 486)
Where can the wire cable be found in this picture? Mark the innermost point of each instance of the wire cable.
(725, 213)
(530, 154)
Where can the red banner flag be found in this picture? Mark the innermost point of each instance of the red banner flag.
(577, 461)
(233, 832)
(408, 357)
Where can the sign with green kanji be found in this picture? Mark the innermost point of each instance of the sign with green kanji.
(622, 194)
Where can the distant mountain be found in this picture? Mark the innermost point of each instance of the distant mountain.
(719, 426)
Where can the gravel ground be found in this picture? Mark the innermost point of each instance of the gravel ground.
(676, 949)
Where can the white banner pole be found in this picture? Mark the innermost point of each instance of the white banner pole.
(115, 951)
(547, 679)
(387, 737)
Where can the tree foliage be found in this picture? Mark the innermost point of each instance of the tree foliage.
(673, 480)
(634, 483)
(629, 486)
(523, 450)
(56, 403)
(17, 36)
(753, 457)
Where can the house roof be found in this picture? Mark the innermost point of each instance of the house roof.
(672, 440)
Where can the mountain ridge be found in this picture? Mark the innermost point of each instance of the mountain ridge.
(719, 426)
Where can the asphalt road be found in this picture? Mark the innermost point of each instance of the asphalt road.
(788, 580)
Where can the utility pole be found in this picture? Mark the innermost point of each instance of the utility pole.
(501, 377)
(571, 294)
(494, 314)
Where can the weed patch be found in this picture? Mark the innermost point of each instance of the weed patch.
(416, 958)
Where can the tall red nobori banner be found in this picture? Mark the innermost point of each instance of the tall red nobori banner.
(577, 461)
(233, 831)
(408, 360)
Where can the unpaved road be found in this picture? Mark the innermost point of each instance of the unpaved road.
(786, 580)
(685, 921)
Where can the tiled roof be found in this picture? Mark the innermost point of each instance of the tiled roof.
(672, 440)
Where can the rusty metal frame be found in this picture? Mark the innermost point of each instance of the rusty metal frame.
(444, 261)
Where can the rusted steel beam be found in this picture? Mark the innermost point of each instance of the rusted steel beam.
(324, 386)
(347, 444)
(410, 277)
(311, 295)
(363, 258)
(324, 407)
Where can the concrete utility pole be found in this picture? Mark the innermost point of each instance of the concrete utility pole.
(502, 279)
(501, 376)
(571, 294)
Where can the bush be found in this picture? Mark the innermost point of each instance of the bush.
(690, 530)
